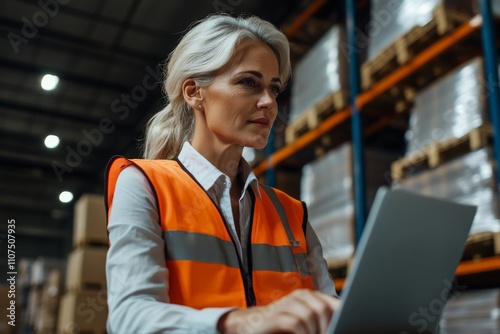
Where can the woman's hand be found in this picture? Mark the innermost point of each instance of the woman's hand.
(302, 311)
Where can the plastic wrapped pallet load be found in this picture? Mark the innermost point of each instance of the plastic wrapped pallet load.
(496, 7)
(327, 189)
(472, 312)
(321, 71)
(391, 19)
(449, 108)
(468, 179)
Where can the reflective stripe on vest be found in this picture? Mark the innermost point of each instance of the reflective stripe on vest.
(300, 258)
(193, 247)
(203, 264)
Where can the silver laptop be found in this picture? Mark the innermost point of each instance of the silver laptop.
(404, 265)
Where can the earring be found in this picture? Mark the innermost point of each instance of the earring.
(199, 106)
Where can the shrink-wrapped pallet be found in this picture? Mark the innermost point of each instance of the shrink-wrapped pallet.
(472, 312)
(327, 187)
(468, 179)
(321, 71)
(449, 108)
(496, 7)
(391, 19)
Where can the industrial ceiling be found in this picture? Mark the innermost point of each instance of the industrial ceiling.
(108, 56)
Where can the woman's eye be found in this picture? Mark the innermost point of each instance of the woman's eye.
(249, 82)
(275, 90)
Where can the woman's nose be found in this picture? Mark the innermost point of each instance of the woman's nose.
(266, 100)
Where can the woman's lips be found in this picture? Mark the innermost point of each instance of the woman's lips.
(261, 122)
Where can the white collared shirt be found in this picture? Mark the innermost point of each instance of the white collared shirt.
(217, 185)
(136, 274)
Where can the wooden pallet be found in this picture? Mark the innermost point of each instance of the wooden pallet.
(312, 117)
(438, 153)
(401, 51)
(482, 245)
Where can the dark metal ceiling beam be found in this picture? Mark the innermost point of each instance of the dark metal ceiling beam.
(37, 92)
(62, 114)
(96, 17)
(63, 75)
(35, 204)
(24, 143)
(41, 232)
(74, 45)
(86, 170)
(57, 219)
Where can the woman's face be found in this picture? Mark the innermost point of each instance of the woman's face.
(239, 106)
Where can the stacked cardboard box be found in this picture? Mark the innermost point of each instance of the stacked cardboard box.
(5, 328)
(89, 225)
(327, 187)
(23, 287)
(46, 315)
(39, 293)
(84, 305)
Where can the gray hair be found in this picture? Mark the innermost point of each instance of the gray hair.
(207, 47)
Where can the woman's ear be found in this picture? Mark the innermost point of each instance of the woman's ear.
(191, 93)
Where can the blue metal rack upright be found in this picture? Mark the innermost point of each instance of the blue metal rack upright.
(271, 173)
(491, 74)
(356, 119)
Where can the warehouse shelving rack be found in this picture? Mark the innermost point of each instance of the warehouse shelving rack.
(482, 24)
(465, 268)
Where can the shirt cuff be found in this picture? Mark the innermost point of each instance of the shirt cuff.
(209, 318)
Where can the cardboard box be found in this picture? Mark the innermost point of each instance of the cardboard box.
(41, 268)
(46, 314)
(90, 220)
(55, 278)
(87, 268)
(5, 328)
(34, 300)
(83, 312)
(24, 272)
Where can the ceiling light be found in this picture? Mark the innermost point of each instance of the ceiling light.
(49, 81)
(51, 141)
(66, 197)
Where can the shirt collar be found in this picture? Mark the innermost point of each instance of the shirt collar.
(207, 174)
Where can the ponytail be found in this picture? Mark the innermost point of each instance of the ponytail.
(167, 131)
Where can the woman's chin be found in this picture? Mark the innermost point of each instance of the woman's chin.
(258, 144)
(254, 141)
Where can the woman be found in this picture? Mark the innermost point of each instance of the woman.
(196, 244)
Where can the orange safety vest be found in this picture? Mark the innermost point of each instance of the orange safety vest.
(204, 266)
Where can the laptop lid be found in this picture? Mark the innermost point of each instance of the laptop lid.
(404, 265)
